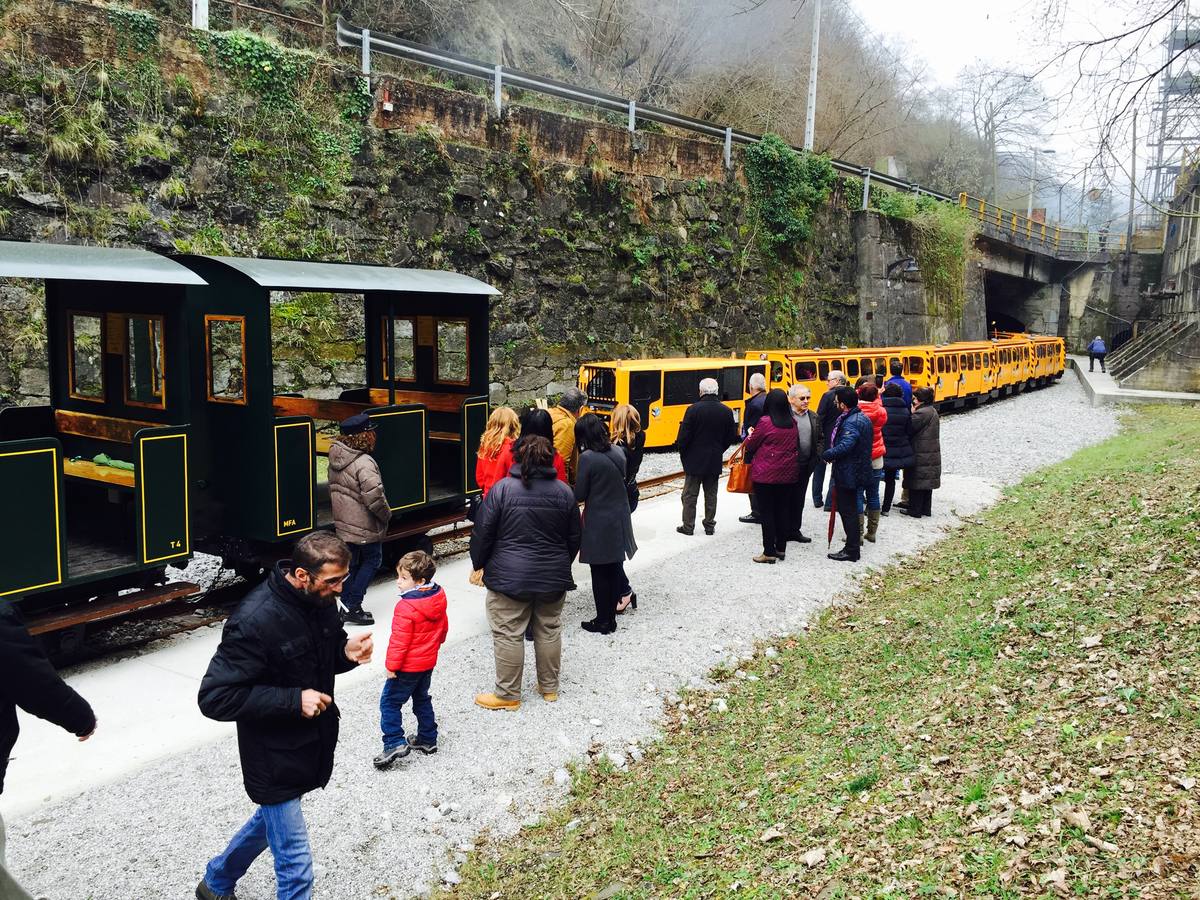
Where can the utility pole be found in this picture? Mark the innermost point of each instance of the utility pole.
(1032, 178)
(811, 120)
(1132, 182)
(1082, 195)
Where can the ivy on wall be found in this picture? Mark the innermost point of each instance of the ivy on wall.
(786, 187)
(943, 244)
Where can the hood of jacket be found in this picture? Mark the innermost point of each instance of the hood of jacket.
(428, 601)
(538, 472)
(341, 456)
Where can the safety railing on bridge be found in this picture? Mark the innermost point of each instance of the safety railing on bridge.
(499, 76)
(1053, 237)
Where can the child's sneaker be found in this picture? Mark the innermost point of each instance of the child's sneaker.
(385, 759)
(425, 747)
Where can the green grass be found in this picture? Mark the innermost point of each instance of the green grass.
(939, 735)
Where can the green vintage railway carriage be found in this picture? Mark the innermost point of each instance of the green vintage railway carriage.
(165, 433)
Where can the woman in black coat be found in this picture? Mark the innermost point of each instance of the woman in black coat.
(925, 475)
(897, 441)
(625, 430)
(607, 529)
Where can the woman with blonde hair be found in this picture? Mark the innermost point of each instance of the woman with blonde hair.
(625, 430)
(494, 457)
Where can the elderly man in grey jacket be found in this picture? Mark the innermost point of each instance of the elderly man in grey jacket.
(361, 513)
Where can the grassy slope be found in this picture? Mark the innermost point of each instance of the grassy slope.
(1012, 714)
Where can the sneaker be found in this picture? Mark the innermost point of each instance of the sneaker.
(204, 892)
(385, 759)
(358, 617)
(424, 746)
(749, 519)
(491, 701)
(682, 529)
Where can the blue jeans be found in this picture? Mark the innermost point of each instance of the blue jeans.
(870, 492)
(818, 480)
(365, 560)
(396, 692)
(279, 826)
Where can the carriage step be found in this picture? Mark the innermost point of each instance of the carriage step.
(99, 610)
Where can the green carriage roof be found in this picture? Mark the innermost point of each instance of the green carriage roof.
(19, 259)
(298, 275)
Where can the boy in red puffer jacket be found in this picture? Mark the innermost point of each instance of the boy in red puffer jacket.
(419, 627)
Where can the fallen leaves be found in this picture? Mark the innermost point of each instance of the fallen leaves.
(813, 857)
(774, 833)
(1077, 818)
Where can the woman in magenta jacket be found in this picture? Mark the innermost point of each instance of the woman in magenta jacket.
(773, 450)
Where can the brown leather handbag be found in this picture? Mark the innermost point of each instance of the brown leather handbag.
(739, 473)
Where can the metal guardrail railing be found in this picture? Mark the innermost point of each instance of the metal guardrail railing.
(367, 43)
(1074, 240)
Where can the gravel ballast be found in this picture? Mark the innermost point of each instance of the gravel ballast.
(394, 834)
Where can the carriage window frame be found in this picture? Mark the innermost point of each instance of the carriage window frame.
(979, 360)
(162, 359)
(823, 369)
(914, 365)
(71, 385)
(437, 349)
(242, 400)
(846, 367)
(776, 373)
(383, 348)
(809, 365)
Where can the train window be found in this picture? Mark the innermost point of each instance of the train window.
(682, 388)
(806, 371)
(776, 373)
(644, 386)
(823, 369)
(941, 364)
(968, 363)
(225, 351)
(864, 367)
(852, 368)
(978, 360)
(891, 362)
(86, 360)
(452, 351)
(916, 365)
(881, 367)
(144, 361)
(732, 380)
(403, 348)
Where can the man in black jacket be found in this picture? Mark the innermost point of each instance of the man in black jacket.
(273, 674)
(707, 430)
(29, 681)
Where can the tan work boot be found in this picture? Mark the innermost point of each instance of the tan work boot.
(872, 524)
(491, 701)
(550, 696)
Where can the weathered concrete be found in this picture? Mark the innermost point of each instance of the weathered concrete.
(1102, 389)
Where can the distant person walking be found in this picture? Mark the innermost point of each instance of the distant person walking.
(607, 529)
(868, 500)
(361, 514)
(897, 441)
(1096, 353)
(808, 437)
(526, 534)
(28, 681)
(273, 675)
(626, 432)
(849, 456)
(827, 415)
(753, 412)
(898, 379)
(564, 417)
(708, 429)
(925, 475)
(774, 453)
(494, 457)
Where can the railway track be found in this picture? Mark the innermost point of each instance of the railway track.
(129, 633)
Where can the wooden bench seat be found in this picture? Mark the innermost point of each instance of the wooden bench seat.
(325, 439)
(83, 468)
(431, 400)
(104, 428)
(450, 436)
(337, 410)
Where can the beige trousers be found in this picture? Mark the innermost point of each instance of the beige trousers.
(9, 888)
(509, 618)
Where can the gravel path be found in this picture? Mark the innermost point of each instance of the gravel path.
(393, 834)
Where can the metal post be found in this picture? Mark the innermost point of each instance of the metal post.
(811, 118)
(1132, 182)
(866, 177)
(235, 14)
(200, 14)
(497, 82)
(632, 116)
(366, 51)
(729, 146)
(1032, 178)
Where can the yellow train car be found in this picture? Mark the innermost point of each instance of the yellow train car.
(812, 367)
(662, 389)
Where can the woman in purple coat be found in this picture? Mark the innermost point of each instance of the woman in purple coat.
(773, 450)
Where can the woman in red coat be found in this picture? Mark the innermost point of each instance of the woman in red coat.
(773, 449)
(494, 458)
(872, 407)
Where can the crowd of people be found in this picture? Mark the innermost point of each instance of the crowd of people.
(555, 485)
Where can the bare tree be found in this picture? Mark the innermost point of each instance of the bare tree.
(1003, 108)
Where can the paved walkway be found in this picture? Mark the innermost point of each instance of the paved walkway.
(1102, 388)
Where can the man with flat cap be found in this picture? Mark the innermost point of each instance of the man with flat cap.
(360, 510)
